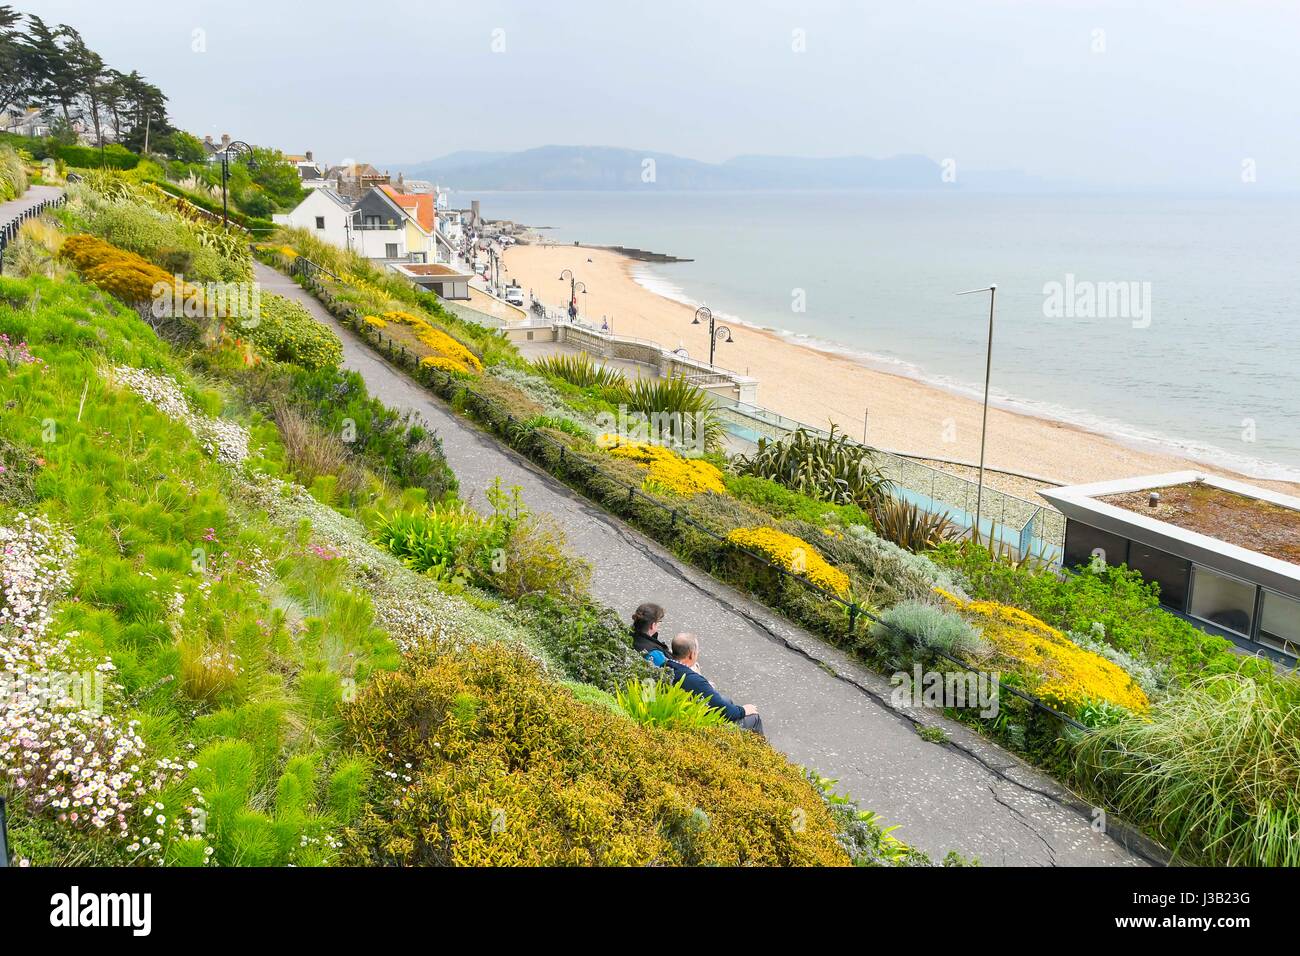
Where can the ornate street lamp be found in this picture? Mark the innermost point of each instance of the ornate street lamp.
(574, 288)
(243, 149)
(720, 332)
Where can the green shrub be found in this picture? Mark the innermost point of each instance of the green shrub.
(781, 502)
(589, 641)
(535, 560)
(505, 771)
(288, 333)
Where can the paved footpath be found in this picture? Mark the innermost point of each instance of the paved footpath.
(819, 707)
(34, 195)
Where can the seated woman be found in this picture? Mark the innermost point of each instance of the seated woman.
(645, 634)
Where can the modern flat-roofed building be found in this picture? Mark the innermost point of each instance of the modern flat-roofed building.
(1225, 554)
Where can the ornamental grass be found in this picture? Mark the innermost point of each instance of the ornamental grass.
(795, 555)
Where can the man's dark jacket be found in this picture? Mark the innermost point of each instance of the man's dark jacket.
(699, 685)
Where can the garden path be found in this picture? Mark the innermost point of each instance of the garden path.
(820, 707)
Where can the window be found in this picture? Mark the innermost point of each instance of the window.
(1082, 540)
(320, 222)
(390, 250)
(1219, 599)
(1279, 622)
(1163, 568)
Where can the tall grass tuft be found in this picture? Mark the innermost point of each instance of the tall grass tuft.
(1214, 772)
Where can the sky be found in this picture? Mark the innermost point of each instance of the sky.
(1179, 94)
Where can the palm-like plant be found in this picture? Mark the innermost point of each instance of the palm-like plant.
(905, 524)
(826, 468)
(678, 412)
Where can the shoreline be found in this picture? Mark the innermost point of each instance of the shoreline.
(814, 382)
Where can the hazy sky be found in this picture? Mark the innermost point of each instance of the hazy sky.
(1146, 92)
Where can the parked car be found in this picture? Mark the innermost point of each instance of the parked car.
(515, 295)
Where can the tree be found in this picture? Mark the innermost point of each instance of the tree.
(49, 68)
(85, 69)
(187, 147)
(15, 75)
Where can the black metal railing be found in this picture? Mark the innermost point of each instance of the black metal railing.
(9, 230)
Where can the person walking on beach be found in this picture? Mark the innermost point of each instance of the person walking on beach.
(645, 634)
(684, 664)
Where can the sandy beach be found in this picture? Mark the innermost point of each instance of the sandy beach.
(820, 388)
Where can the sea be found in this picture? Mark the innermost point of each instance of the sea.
(1169, 322)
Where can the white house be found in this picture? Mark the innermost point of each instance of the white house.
(323, 213)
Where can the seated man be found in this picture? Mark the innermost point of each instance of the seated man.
(686, 654)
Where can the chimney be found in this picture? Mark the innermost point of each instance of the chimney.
(208, 140)
(309, 159)
(225, 140)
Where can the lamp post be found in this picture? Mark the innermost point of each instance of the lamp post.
(992, 290)
(573, 292)
(704, 312)
(243, 149)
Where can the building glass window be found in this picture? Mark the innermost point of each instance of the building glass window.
(1167, 570)
(1219, 599)
(1279, 622)
(390, 250)
(320, 222)
(1082, 541)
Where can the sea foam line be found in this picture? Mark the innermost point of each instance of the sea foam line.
(1123, 432)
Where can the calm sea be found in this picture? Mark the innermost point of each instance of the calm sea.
(1169, 322)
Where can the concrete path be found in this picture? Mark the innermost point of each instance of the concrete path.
(35, 194)
(819, 707)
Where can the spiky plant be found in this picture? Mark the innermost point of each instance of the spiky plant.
(678, 413)
(905, 524)
(827, 468)
(580, 370)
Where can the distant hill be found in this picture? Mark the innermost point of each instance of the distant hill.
(605, 167)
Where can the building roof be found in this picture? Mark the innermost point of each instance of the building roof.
(1087, 503)
(419, 206)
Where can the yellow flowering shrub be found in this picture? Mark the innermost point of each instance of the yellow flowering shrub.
(375, 322)
(120, 273)
(444, 364)
(439, 342)
(794, 554)
(665, 469)
(482, 760)
(1057, 670)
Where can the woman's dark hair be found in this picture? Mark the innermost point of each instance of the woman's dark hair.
(646, 615)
